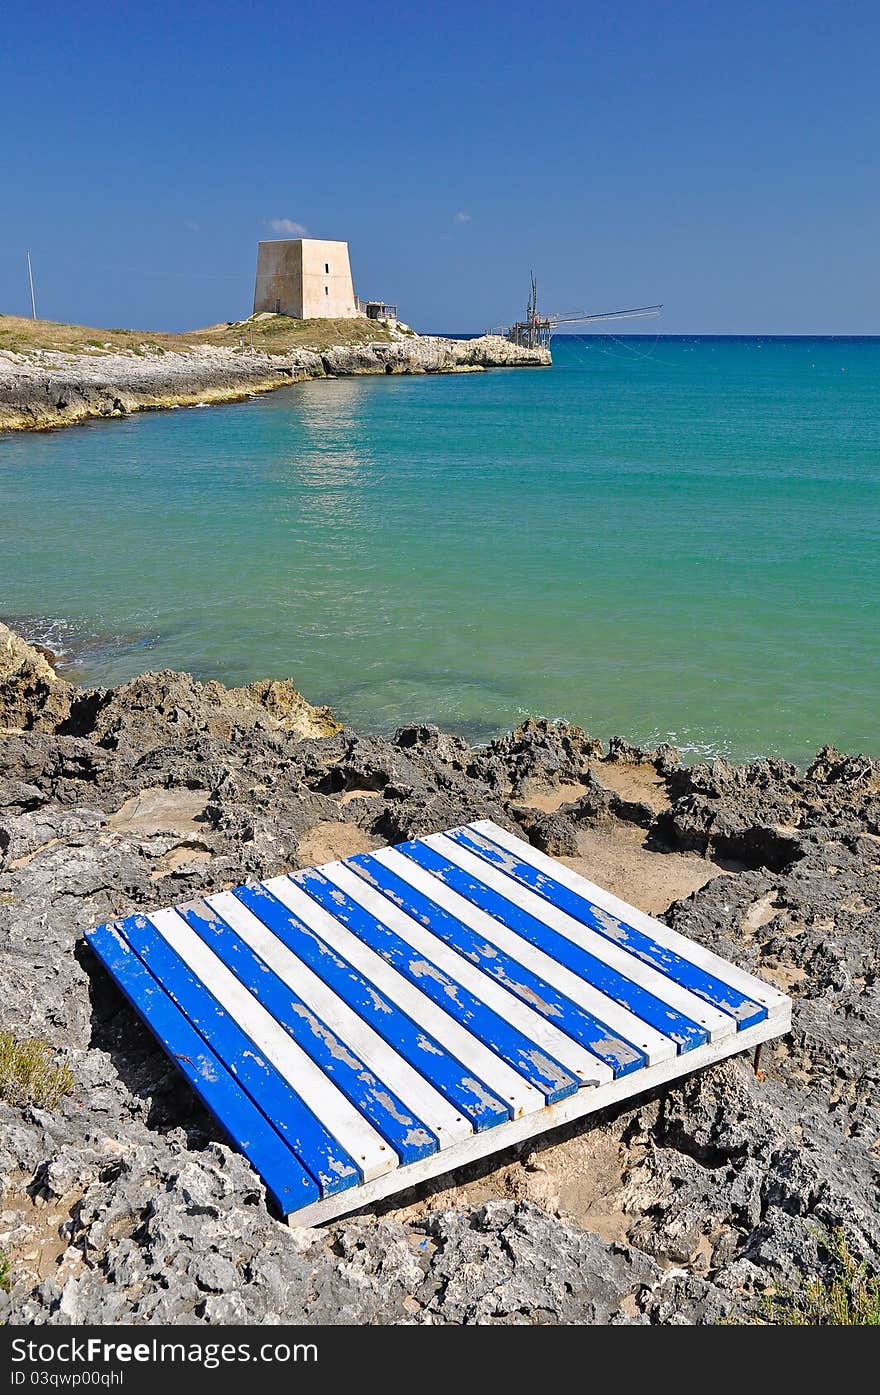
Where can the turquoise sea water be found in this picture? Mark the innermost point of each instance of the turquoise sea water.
(676, 539)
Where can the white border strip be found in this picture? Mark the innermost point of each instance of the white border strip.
(576, 1106)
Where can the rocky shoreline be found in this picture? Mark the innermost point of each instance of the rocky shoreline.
(44, 389)
(123, 1204)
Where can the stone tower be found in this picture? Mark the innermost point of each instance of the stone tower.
(306, 278)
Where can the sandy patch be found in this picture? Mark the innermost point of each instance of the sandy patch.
(548, 798)
(637, 783)
(782, 975)
(332, 839)
(31, 1236)
(617, 860)
(578, 1178)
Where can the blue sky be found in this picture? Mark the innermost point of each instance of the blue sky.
(720, 157)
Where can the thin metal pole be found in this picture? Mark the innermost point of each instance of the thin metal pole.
(31, 283)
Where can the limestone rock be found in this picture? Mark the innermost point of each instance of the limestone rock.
(32, 696)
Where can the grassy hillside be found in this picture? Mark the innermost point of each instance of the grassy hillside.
(274, 334)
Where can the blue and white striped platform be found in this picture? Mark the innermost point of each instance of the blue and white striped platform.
(359, 1027)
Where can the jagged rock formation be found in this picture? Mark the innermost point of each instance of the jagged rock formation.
(125, 1204)
(32, 696)
(46, 389)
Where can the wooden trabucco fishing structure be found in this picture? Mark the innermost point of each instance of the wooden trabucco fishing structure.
(535, 331)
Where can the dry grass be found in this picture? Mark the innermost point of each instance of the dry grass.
(272, 334)
(277, 333)
(850, 1298)
(28, 1073)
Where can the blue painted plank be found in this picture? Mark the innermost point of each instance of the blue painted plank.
(321, 1155)
(410, 1138)
(541, 997)
(534, 1064)
(477, 1103)
(283, 1174)
(705, 985)
(637, 1000)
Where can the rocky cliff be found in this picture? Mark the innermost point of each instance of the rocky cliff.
(45, 388)
(123, 1203)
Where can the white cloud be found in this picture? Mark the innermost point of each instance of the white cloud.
(287, 226)
(462, 217)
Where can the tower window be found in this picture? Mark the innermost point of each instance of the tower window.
(326, 290)
(326, 268)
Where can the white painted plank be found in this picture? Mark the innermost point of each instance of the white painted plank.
(357, 1136)
(416, 1093)
(619, 1020)
(746, 983)
(474, 1056)
(716, 1022)
(570, 1053)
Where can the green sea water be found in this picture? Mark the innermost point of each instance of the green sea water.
(675, 539)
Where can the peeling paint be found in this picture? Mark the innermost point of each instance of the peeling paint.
(378, 1002)
(338, 1050)
(613, 928)
(340, 1167)
(551, 1069)
(486, 1098)
(423, 968)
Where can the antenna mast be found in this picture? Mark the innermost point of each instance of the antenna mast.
(31, 284)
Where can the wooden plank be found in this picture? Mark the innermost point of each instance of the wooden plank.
(378, 891)
(319, 1153)
(516, 1131)
(449, 863)
(482, 1064)
(541, 1070)
(723, 984)
(469, 930)
(371, 1096)
(356, 1136)
(479, 1108)
(284, 1176)
(688, 1019)
(417, 1094)
(654, 1045)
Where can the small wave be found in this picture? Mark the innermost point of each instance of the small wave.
(75, 646)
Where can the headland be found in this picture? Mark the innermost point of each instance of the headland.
(53, 374)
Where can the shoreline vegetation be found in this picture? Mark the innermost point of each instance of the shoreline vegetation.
(722, 1198)
(54, 375)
